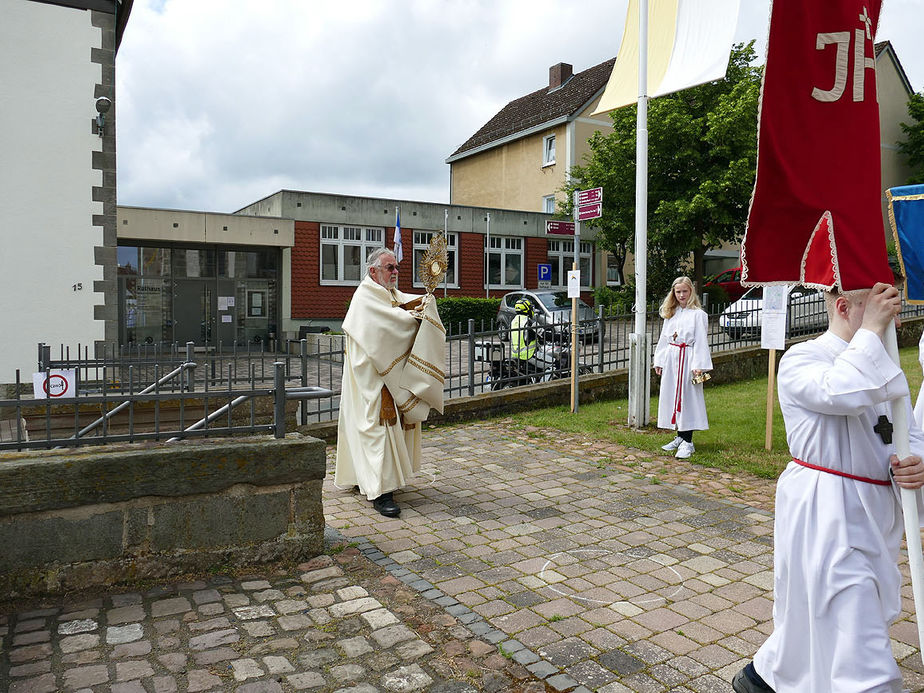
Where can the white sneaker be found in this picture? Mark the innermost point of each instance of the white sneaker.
(685, 450)
(673, 445)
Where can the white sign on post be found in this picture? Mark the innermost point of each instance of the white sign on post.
(574, 283)
(59, 383)
(773, 318)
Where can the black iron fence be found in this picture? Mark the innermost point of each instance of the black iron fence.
(104, 410)
(169, 391)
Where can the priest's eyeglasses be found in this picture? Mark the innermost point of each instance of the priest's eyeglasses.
(390, 267)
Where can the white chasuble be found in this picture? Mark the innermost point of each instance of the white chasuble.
(386, 346)
(682, 348)
(836, 539)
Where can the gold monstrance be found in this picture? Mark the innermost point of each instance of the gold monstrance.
(433, 264)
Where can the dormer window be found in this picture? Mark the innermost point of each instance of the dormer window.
(548, 150)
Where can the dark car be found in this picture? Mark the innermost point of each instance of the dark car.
(551, 309)
(729, 281)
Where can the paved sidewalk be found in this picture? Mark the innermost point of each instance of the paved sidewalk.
(617, 570)
(523, 561)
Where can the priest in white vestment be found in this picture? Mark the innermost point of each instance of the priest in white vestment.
(838, 523)
(681, 353)
(393, 373)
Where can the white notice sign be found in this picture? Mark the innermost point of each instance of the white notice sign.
(59, 383)
(773, 318)
(574, 283)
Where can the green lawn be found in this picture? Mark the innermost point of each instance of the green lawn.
(737, 420)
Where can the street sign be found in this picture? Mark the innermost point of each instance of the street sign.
(561, 228)
(586, 197)
(593, 210)
(545, 272)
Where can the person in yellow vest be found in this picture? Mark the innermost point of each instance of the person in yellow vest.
(523, 335)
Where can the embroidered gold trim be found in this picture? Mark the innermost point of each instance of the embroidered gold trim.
(426, 367)
(395, 363)
(412, 402)
(434, 323)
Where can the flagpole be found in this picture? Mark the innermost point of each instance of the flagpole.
(639, 352)
(909, 497)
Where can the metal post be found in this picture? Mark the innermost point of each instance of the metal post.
(600, 337)
(471, 357)
(639, 354)
(279, 394)
(487, 258)
(303, 357)
(190, 357)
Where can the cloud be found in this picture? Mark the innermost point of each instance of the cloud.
(222, 102)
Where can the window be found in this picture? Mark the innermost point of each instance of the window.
(561, 257)
(548, 150)
(548, 204)
(505, 262)
(421, 241)
(344, 250)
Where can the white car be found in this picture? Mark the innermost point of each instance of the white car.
(806, 313)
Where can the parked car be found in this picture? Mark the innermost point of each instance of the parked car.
(806, 313)
(729, 281)
(552, 310)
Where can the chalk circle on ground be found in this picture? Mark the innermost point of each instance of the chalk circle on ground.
(637, 602)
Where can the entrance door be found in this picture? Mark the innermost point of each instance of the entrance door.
(191, 311)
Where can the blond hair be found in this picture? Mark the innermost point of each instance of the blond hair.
(669, 305)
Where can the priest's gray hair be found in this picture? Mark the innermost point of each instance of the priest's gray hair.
(373, 259)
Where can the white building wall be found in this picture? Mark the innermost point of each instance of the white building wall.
(47, 267)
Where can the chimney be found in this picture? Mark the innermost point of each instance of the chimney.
(559, 74)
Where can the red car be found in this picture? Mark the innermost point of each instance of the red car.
(730, 281)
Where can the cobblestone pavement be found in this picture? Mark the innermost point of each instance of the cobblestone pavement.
(617, 570)
(523, 561)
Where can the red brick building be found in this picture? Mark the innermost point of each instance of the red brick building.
(334, 234)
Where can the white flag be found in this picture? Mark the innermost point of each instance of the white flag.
(398, 250)
(689, 42)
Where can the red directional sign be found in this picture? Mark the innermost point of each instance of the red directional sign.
(561, 228)
(586, 197)
(590, 211)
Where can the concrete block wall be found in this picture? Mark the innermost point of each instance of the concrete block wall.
(78, 518)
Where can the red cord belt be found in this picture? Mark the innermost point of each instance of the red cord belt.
(678, 387)
(877, 482)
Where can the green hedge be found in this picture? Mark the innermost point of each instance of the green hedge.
(459, 309)
(615, 299)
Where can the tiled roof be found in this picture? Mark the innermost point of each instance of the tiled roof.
(541, 106)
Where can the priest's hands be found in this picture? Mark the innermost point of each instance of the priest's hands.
(883, 304)
(909, 472)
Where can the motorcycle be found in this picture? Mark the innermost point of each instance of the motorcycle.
(551, 361)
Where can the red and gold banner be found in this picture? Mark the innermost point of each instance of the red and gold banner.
(816, 216)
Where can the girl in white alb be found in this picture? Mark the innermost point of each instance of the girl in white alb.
(682, 352)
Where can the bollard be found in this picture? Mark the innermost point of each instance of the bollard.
(471, 357)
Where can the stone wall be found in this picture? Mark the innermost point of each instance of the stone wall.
(70, 519)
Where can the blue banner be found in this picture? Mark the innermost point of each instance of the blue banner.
(906, 213)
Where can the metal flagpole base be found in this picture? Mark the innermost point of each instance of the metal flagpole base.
(639, 379)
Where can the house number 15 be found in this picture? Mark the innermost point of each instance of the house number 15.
(78, 286)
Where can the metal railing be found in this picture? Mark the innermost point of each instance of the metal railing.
(162, 411)
(317, 362)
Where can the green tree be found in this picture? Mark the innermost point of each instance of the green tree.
(912, 147)
(702, 153)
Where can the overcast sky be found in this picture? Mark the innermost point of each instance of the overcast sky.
(223, 102)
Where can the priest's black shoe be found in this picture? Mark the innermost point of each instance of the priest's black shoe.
(748, 681)
(386, 505)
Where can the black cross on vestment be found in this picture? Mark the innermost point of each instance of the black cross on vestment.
(884, 429)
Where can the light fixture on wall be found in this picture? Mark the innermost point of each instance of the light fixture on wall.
(103, 104)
